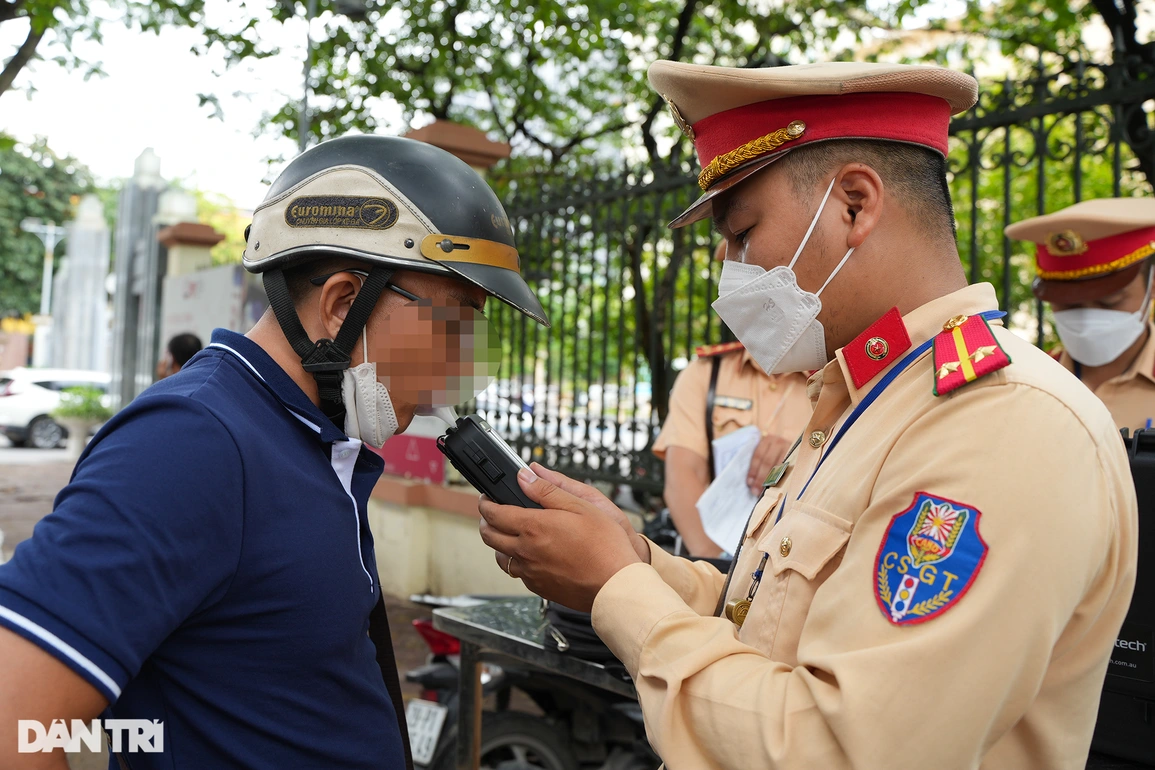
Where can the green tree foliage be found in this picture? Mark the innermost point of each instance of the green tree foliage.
(50, 29)
(222, 214)
(34, 182)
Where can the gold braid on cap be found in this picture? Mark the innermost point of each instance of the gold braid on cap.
(727, 162)
(1111, 267)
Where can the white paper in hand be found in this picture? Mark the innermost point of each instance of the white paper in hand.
(726, 504)
(731, 444)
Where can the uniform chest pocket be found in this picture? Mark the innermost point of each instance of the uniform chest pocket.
(805, 547)
(804, 540)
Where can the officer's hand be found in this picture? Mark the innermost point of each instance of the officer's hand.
(599, 501)
(770, 451)
(564, 553)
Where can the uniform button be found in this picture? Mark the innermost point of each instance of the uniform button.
(817, 439)
(785, 547)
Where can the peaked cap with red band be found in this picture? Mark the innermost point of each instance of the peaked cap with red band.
(741, 120)
(1089, 250)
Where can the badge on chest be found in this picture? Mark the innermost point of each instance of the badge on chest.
(930, 555)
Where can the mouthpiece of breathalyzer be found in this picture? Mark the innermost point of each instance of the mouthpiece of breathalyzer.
(446, 414)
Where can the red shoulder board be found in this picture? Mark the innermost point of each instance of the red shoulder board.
(717, 350)
(964, 351)
(1056, 353)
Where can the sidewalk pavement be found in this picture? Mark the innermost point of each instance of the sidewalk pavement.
(26, 496)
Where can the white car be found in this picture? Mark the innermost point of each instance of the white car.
(27, 396)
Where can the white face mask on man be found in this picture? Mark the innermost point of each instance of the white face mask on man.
(771, 315)
(369, 413)
(1096, 336)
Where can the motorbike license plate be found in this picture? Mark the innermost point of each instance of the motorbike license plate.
(425, 719)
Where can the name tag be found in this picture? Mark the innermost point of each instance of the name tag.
(730, 402)
(775, 475)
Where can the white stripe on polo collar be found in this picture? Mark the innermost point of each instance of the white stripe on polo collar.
(64, 647)
(316, 428)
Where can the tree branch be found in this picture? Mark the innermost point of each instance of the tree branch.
(8, 10)
(20, 59)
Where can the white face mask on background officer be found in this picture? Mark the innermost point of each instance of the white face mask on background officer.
(1094, 268)
(1097, 332)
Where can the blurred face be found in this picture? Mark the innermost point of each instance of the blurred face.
(435, 350)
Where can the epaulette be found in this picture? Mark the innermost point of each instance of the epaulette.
(717, 350)
(1056, 353)
(965, 350)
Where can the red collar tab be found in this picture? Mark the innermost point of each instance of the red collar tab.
(876, 348)
(964, 351)
(1068, 257)
(717, 350)
(898, 117)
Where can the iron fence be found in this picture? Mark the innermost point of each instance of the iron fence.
(630, 299)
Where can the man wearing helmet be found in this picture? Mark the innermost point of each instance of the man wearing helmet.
(210, 565)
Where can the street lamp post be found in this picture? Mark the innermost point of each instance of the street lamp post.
(49, 234)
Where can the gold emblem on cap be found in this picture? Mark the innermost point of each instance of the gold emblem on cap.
(728, 161)
(679, 121)
(1067, 243)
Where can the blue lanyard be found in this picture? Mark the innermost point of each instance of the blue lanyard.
(876, 391)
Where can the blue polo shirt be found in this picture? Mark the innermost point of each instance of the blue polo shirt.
(210, 565)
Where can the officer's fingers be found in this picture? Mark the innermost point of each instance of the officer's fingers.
(547, 494)
(758, 463)
(776, 450)
(565, 483)
(507, 563)
(509, 519)
(499, 541)
(577, 489)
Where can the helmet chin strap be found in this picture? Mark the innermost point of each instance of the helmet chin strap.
(326, 359)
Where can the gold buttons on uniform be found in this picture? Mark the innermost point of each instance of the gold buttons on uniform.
(785, 546)
(817, 439)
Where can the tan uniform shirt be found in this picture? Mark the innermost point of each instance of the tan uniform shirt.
(777, 403)
(1131, 396)
(818, 678)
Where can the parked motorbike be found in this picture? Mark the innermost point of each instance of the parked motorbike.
(580, 727)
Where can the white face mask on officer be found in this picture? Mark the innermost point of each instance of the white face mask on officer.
(771, 315)
(369, 414)
(1096, 336)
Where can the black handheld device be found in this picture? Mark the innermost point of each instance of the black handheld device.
(485, 461)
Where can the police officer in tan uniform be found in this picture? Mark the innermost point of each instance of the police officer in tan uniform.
(721, 391)
(1094, 268)
(936, 576)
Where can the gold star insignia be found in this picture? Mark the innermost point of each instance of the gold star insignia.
(947, 369)
(983, 352)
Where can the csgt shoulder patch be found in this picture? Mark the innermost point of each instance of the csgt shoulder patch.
(356, 211)
(930, 555)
